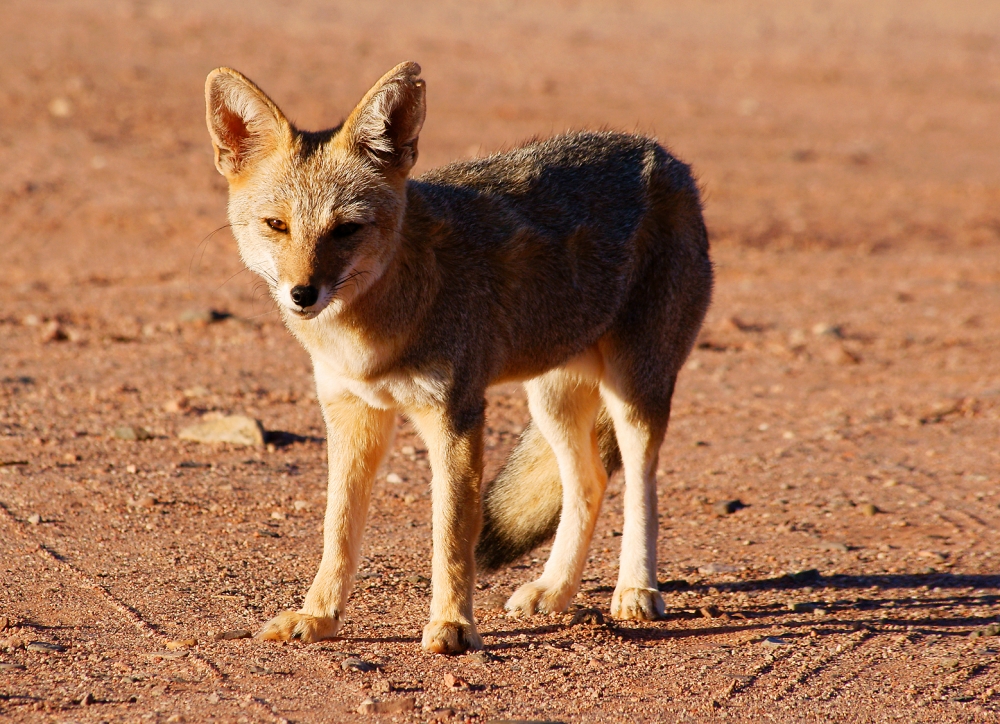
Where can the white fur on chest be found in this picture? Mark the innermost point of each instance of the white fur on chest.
(396, 389)
(344, 362)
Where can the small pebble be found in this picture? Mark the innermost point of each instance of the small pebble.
(454, 682)
(144, 501)
(12, 667)
(393, 478)
(354, 664)
(201, 317)
(869, 509)
(809, 575)
(393, 706)
(481, 657)
(829, 545)
(713, 568)
(4, 623)
(773, 642)
(181, 644)
(131, 433)
(709, 612)
(300, 505)
(175, 405)
(61, 107)
(837, 354)
(822, 328)
(587, 616)
(728, 507)
(44, 647)
(53, 332)
(34, 519)
(238, 633)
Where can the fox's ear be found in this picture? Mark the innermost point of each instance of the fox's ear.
(386, 123)
(244, 123)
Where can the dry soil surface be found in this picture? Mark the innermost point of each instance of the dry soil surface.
(845, 390)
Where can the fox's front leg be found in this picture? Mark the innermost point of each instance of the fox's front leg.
(455, 447)
(357, 438)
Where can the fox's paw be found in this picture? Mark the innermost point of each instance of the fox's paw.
(536, 597)
(295, 625)
(637, 604)
(450, 637)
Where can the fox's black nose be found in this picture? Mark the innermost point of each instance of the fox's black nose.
(305, 296)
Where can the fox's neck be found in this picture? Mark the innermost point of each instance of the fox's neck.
(375, 331)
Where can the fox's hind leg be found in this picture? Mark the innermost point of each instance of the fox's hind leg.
(564, 407)
(640, 429)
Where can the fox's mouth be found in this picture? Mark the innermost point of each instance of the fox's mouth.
(303, 302)
(306, 313)
(308, 301)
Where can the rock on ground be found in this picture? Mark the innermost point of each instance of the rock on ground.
(232, 429)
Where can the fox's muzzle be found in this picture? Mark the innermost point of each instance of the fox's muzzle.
(304, 295)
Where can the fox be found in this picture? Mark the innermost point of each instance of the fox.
(577, 265)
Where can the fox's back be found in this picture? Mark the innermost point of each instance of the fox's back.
(545, 240)
(557, 185)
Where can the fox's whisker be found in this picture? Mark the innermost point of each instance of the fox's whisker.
(350, 277)
(263, 314)
(241, 271)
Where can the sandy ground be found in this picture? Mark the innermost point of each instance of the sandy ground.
(846, 388)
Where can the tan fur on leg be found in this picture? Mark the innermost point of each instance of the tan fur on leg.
(564, 407)
(358, 437)
(457, 464)
(636, 595)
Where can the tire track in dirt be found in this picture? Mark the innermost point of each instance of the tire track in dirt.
(781, 674)
(743, 684)
(825, 662)
(129, 613)
(971, 673)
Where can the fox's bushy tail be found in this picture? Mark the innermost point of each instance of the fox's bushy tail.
(521, 506)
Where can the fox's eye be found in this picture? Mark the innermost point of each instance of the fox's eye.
(344, 230)
(277, 225)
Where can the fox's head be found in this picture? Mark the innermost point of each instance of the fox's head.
(316, 215)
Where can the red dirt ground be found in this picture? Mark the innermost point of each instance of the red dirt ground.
(846, 387)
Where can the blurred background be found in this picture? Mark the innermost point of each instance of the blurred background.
(819, 123)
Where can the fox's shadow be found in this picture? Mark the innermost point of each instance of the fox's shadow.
(283, 438)
(743, 616)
